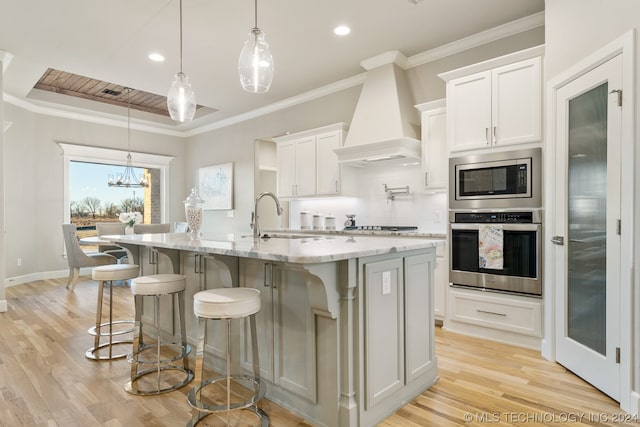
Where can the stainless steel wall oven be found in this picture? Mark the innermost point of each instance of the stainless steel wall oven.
(521, 233)
(495, 221)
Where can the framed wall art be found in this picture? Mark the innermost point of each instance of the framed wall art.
(216, 186)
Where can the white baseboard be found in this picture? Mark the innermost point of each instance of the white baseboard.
(3, 306)
(635, 403)
(18, 280)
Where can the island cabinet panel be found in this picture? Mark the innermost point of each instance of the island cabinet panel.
(202, 272)
(286, 327)
(419, 294)
(153, 262)
(398, 356)
(384, 344)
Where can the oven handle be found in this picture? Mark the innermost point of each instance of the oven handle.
(508, 227)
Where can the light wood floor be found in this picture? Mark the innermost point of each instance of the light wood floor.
(45, 379)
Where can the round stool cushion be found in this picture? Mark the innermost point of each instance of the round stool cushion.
(158, 284)
(115, 272)
(226, 303)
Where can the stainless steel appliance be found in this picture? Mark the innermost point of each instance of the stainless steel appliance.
(502, 180)
(521, 232)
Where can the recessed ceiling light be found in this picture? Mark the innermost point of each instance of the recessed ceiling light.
(156, 57)
(341, 30)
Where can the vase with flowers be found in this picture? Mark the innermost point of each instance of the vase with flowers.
(129, 219)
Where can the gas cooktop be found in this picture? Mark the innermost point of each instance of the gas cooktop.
(381, 227)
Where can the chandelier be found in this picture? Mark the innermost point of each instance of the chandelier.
(128, 178)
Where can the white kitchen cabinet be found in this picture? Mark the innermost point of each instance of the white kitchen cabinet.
(495, 107)
(441, 284)
(509, 318)
(328, 168)
(307, 164)
(297, 167)
(435, 155)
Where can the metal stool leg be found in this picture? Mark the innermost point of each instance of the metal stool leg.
(97, 332)
(158, 363)
(194, 398)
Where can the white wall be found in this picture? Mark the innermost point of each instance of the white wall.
(33, 168)
(3, 300)
(573, 30)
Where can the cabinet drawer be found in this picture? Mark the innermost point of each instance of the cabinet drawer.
(516, 314)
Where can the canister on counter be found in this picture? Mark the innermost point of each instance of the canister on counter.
(330, 222)
(305, 220)
(318, 221)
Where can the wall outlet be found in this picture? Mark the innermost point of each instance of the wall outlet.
(19, 262)
(230, 214)
(437, 217)
(386, 282)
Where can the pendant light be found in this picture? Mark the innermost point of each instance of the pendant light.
(181, 100)
(255, 65)
(128, 178)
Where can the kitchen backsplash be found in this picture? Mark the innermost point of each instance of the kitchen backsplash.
(370, 204)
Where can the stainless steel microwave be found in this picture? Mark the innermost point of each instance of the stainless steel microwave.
(500, 180)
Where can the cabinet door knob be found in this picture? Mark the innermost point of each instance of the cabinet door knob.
(495, 135)
(486, 135)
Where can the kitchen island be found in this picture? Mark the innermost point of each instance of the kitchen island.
(346, 333)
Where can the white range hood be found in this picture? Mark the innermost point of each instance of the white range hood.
(385, 125)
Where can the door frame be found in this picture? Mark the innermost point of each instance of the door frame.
(625, 46)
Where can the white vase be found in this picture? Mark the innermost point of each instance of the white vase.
(128, 229)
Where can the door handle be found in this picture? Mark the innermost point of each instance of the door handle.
(558, 240)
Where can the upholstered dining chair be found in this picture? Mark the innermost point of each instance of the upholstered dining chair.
(151, 228)
(107, 228)
(77, 258)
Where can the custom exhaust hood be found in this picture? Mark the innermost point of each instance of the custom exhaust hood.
(385, 124)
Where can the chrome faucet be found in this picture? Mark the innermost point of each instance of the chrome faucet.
(254, 215)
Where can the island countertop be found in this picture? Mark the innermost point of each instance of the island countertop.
(303, 249)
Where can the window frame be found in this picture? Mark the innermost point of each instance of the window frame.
(89, 154)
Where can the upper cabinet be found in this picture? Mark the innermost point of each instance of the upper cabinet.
(435, 163)
(495, 103)
(307, 164)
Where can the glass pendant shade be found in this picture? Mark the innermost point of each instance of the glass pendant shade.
(255, 65)
(181, 100)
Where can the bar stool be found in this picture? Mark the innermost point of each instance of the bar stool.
(158, 285)
(227, 304)
(108, 274)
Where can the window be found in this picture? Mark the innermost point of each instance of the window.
(91, 166)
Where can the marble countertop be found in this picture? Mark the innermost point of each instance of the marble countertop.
(418, 234)
(301, 248)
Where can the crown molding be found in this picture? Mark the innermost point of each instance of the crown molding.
(497, 33)
(109, 120)
(509, 29)
(286, 103)
(389, 57)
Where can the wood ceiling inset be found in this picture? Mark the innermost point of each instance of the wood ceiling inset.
(96, 90)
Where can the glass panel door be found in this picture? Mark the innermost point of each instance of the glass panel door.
(587, 219)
